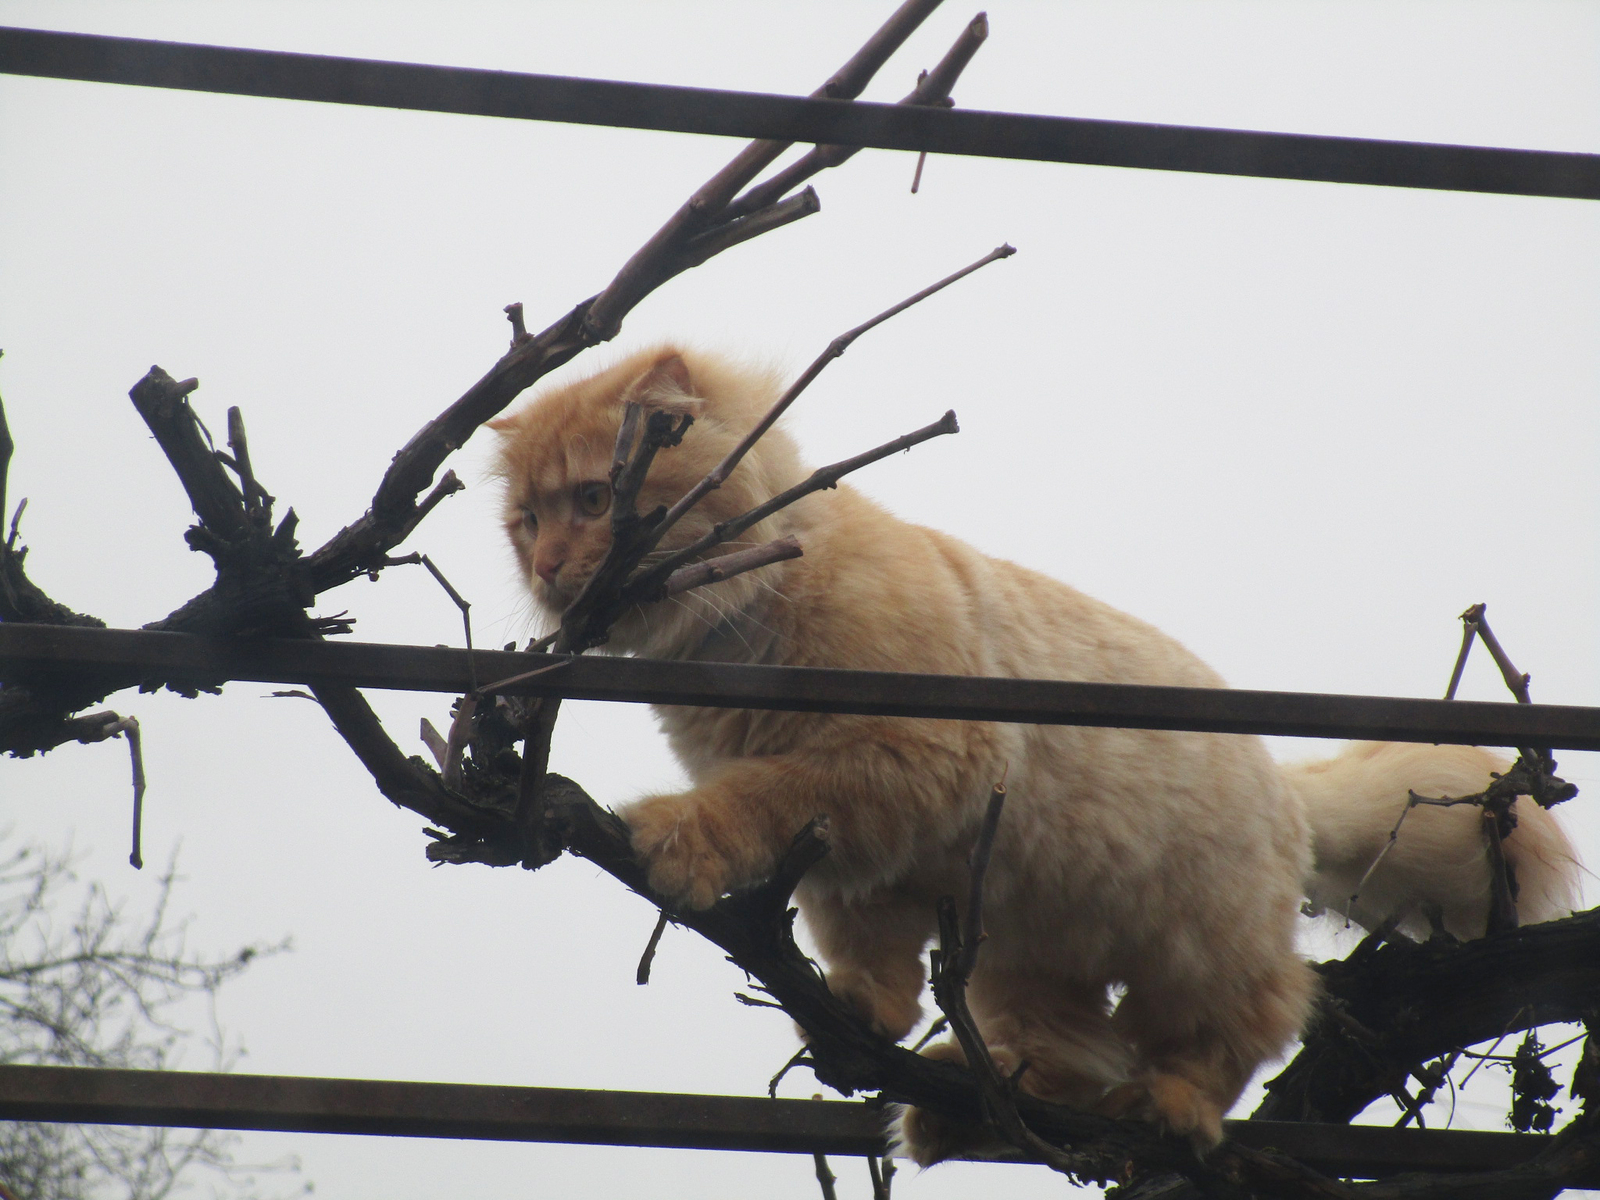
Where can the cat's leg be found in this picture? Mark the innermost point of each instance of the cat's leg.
(873, 951)
(1059, 1034)
(927, 1137)
(1197, 1051)
(882, 788)
(1062, 1029)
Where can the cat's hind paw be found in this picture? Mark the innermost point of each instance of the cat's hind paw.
(892, 1012)
(927, 1137)
(1171, 1102)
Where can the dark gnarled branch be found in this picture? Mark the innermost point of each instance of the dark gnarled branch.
(1392, 1006)
(690, 237)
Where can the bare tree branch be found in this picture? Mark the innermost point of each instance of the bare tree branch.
(714, 570)
(645, 584)
(719, 474)
(933, 88)
(658, 260)
(1393, 1005)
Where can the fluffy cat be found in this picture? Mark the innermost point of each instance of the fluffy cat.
(1168, 864)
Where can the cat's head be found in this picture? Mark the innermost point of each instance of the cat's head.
(554, 461)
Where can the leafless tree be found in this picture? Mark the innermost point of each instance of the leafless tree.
(1391, 1010)
(86, 982)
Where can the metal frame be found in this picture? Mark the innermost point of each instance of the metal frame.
(45, 653)
(297, 1104)
(96, 58)
(41, 654)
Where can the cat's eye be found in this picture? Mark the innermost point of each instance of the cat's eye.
(594, 498)
(529, 521)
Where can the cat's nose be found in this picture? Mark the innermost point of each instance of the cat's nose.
(548, 569)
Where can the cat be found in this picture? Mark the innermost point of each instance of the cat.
(1168, 866)
(1436, 876)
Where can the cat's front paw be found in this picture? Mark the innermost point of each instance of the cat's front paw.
(671, 840)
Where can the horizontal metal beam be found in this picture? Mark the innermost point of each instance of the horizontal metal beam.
(319, 77)
(44, 653)
(298, 1104)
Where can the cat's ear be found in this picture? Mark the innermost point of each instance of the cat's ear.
(665, 385)
(501, 424)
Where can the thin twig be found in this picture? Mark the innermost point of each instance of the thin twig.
(16, 522)
(455, 747)
(715, 570)
(361, 547)
(661, 256)
(588, 618)
(627, 431)
(587, 621)
(642, 975)
(1412, 801)
(129, 727)
(1469, 631)
(939, 1026)
(646, 582)
(953, 964)
(499, 685)
(519, 331)
(719, 474)
(825, 1177)
(1431, 1082)
(978, 867)
(882, 1177)
(1516, 680)
(255, 496)
(763, 220)
(799, 1058)
(461, 603)
(932, 90)
(436, 744)
(1502, 878)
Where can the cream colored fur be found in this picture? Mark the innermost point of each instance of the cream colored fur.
(1168, 863)
(1437, 871)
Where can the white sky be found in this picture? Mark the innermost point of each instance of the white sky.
(1301, 426)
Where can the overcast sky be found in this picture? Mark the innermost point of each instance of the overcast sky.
(1300, 426)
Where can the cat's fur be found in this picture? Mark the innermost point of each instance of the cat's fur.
(1168, 864)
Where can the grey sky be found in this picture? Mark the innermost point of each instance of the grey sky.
(1301, 426)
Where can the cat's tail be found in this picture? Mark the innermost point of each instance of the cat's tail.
(1435, 872)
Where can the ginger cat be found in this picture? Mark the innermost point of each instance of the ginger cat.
(1168, 864)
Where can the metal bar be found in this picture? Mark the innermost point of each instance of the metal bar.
(40, 654)
(298, 1104)
(318, 77)
(295, 1104)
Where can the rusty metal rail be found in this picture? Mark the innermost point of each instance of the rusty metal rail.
(318, 77)
(46, 653)
(297, 1104)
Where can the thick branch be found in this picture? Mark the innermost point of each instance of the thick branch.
(35, 718)
(1389, 1008)
(408, 782)
(362, 547)
(659, 259)
(163, 402)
